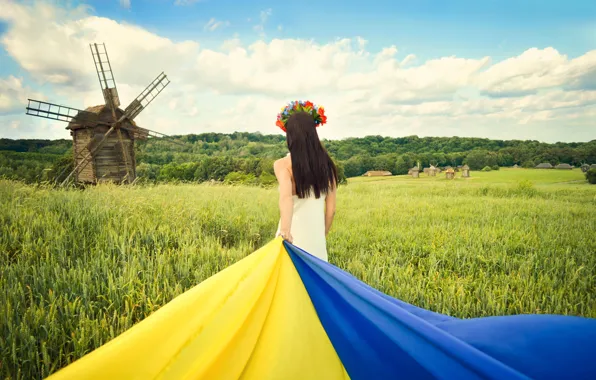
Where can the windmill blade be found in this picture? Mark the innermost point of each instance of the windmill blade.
(147, 96)
(105, 75)
(58, 112)
(143, 133)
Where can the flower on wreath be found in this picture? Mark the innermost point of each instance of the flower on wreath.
(317, 112)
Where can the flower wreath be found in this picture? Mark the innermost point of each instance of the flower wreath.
(317, 112)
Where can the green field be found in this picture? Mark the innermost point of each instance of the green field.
(77, 268)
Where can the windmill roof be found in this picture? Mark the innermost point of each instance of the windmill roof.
(105, 115)
(97, 109)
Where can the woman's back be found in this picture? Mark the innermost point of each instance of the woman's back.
(307, 180)
(308, 225)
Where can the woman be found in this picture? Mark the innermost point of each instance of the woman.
(307, 180)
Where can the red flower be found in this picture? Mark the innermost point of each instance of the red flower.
(308, 103)
(281, 125)
(323, 119)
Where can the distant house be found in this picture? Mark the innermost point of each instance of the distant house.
(432, 171)
(564, 167)
(544, 165)
(450, 173)
(515, 166)
(376, 173)
(414, 172)
(465, 171)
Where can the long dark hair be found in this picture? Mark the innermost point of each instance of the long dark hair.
(312, 168)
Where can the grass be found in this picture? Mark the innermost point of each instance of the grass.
(81, 267)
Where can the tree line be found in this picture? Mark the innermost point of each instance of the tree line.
(248, 157)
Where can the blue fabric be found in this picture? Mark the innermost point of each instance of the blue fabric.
(540, 346)
(377, 336)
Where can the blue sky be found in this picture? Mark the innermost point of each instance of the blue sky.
(430, 30)
(433, 28)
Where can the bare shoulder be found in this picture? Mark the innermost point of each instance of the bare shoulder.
(282, 163)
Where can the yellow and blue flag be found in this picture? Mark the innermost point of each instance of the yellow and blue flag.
(281, 313)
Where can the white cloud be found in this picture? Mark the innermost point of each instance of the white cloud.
(213, 24)
(537, 69)
(263, 17)
(408, 59)
(240, 87)
(125, 4)
(13, 95)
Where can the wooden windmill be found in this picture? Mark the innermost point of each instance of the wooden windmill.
(103, 135)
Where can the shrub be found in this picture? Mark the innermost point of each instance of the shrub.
(237, 178)
(495, 167)
(486, 169)
(61, 168)
(526, 188)
(266, 179)
(591, 176)
(528, 164)
(341, 176)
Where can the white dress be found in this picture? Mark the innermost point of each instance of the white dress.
(308, 225)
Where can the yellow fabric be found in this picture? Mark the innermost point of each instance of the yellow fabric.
(253, 320)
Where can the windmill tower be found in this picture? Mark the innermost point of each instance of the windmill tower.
(103, 135)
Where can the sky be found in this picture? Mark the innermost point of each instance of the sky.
(508, 69)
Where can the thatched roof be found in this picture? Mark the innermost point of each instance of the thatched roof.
(97, 109)
(544, 165)
(377, 173)
(465, 167)
(104, 115)
(415, 169)
(563, 166)
(450, 170)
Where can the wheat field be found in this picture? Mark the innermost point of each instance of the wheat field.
(77, 268)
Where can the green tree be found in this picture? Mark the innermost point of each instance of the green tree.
(353, 167)
(477, 159)
(401, 166)
(591, 176)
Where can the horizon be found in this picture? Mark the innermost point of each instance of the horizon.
(69, 139)
(497, 70)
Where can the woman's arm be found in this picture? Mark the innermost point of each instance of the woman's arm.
(286, 202)
(330, 209)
